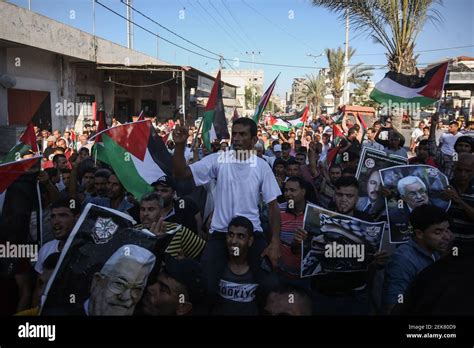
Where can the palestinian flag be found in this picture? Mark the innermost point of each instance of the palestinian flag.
(262, 104)
(399, 88)
(10, 171)
(300, 121)
(136, 154)
(337, 136)
(27, 142)
(214, 121)
(101, 127)
(20, 202)
(279, 125)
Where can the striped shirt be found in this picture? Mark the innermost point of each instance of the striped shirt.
(183, 240)
(289, 263)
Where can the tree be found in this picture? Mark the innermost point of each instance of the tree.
(395, 24)
(315, 91)
(357, 74)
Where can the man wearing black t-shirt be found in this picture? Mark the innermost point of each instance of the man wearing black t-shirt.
(182, 211)
(350, 144)
(238, 285)
(339, 293)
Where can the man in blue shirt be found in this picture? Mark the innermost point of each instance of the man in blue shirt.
(116, 197)
(431, 238)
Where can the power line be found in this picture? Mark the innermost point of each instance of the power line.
(154, 34)
(283, 30)
(218, 25)
(168, 30)
(230, 65)
(227, 23)
(227, 59)
(238, 24)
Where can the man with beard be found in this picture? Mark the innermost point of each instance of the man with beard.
(373, 203)
(177, 289)
(239, 287)
(101, 177)
(413, 192)
(179, 240)
(116, 196)
(119, 285)
(181, 211)
(431, 238)
(63, 219)
(326, 185)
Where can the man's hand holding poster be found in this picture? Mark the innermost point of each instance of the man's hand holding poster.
(337, 243)
(411, 186)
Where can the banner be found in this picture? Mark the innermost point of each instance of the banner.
(411, 186)
(337, 242)
(97, 236)
(371, 162)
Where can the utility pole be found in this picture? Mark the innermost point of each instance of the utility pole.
(129, 24)
(345, 98)
(183, 95)
(253, 53)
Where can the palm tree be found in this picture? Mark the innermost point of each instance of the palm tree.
(356, 75)
(395, 24)
(315, 91)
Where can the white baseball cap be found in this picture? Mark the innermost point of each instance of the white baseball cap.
(277, 148)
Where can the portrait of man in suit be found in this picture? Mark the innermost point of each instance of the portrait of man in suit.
(372, 204)
(119, 285)
(413, 192)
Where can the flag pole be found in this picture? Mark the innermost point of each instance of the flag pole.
(197, 133)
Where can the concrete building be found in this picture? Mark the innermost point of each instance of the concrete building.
(328, 106)
(459, 88)
(242, 79)
(298, 93)
(49, 71)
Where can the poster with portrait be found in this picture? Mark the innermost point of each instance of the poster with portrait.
(371, 200)
(411, 186)
(97, 235)
(337, 242)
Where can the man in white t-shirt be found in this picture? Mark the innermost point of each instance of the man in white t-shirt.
(417, 132)
(446, 144)
(241, 179)
(63, 219)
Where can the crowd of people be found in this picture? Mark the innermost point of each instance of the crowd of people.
(235, 229)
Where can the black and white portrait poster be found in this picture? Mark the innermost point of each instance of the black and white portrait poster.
(371, 200)
(96, 237)
(337, 243)
(411, 186)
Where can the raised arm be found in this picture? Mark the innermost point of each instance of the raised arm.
(180, 168)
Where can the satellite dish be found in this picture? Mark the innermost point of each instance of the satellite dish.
(7, 81)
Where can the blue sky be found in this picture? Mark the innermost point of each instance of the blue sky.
(284, 31)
